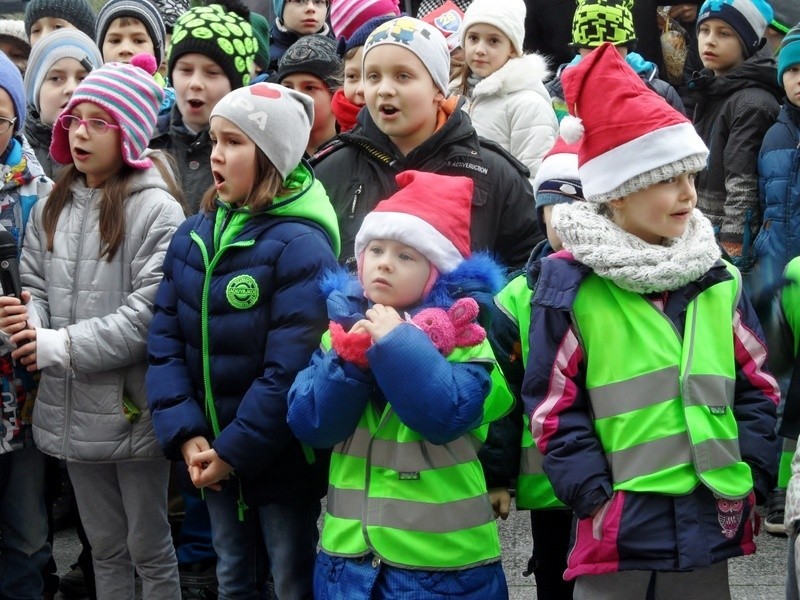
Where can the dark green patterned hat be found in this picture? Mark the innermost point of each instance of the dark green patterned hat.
(220, 34)
(599, 21)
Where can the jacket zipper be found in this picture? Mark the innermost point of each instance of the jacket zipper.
(356, 194)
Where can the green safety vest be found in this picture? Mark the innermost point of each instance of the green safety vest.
(785, 466)
(412, 503)
(534, 490)
(663, 403)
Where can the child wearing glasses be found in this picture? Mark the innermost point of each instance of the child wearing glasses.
(293, 20)
(91, 266)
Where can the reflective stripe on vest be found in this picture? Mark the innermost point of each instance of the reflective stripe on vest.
(413, 503)
(663, 404)
(534, 490)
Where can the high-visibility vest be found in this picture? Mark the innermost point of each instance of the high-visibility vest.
(534, 490)
(410, 502)
(662, 402)
(788, 449)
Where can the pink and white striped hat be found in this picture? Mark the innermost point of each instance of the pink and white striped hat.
(130, 95)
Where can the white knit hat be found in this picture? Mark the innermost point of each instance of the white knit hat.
(507, 15)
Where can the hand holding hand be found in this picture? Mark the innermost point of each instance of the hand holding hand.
(501, 502)
(190, 449)
(212, 470)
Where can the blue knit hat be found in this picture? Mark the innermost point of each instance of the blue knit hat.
(789, 52)
(11, 82)
(77, 12)
(748, 18)
(360, 35)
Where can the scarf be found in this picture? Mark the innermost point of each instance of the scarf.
(627, 260)
(14, 172)
(346, 112)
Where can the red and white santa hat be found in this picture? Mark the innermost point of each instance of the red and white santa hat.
(631, 138)
(430, 213)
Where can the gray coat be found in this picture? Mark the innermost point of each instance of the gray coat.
(106, 308)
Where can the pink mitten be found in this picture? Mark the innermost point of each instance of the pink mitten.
(352, 347)
(437, 325)
(462, 314)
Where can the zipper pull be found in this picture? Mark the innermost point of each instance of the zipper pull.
(356, 194)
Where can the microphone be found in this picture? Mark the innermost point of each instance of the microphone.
(9, 265)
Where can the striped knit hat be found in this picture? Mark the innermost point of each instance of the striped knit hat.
(349, 15)
(141, 10)
(130, 95)
(789, 52)
(748, 18)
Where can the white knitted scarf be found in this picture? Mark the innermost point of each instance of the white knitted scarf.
(629, 261)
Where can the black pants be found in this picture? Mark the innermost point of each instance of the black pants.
(551, 531)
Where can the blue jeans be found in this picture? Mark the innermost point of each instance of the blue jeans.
(290, 535)
(24, 549)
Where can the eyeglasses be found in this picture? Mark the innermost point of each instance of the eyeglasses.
(93, 126)
(6, 124)
(316, 3)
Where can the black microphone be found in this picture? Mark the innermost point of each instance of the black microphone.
(9, 265)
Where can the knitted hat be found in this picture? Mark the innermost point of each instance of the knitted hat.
(12, 28)
(748, 18)
(786, 14)
(171, 11)
(315, 54)
(439, 230)
(277, 119)
(598, 21)
(222, 35)
(77, 12)
(507, 15)
(447, 19)
(557, 179)
(789, 52)
(130, 95)
(260, 27)
(349, 15)
(64, 43)
(11, 82)
(419, 37)
(632, 139)
(360, 35)
(143, 11)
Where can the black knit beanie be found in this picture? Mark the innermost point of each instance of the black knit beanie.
(77, 12)
(315, 54)
(141, 10)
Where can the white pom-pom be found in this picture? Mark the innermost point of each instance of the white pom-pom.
(571, 129)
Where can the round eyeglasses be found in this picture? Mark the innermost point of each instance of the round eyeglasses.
(6, 124)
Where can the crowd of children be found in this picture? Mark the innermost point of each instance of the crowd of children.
(241, 240)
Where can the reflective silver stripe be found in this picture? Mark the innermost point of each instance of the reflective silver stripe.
(356, 445)
(420, 455)
(650, 457)
(789, 445)
(531, 461)
(344, 504)
(626, 396)
(709, 390)
(435, 518)
(715, 454)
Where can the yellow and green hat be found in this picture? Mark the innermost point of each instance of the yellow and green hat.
(599, 21)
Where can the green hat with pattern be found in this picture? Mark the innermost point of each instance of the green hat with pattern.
(222, 35)
(599, 21)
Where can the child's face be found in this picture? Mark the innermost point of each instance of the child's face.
(304, 17)
(791, 83)
(720, 48)
(394, 274)
(233, 161)
(486, 49)
(15, 51)
(125, 38)
(57, 88)
(199, 84)
(7, 114)
(97, 155)
(353, 86)
(313, 87)
(401, 96)
(46, 25)
(659, 211)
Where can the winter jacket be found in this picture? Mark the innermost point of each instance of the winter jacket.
(512, 107)
(636, 530)
(105, 308)
(238, 314)
(39, 136)
(192, 152)
(358, 170)
(732, 115)
(281, 38)
(23, 184)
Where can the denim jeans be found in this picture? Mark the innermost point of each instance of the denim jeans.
(24, 549)
(290, 535)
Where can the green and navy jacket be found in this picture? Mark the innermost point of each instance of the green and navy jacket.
(237, 316)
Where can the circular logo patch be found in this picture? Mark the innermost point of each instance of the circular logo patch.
(242, 292)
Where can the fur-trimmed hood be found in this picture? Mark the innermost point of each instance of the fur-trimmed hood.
(527, 72)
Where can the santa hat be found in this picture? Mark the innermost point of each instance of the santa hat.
(430, 213)
(630, 137)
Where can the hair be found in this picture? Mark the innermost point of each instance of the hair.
(351, 53)
(115, 192)
(267, 185)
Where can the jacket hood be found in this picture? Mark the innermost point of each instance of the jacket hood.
(758, 71)
(37, 131)
(528, 72)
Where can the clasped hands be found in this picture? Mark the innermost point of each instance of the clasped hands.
(206, 468)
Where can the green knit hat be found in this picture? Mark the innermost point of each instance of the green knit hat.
(260, 27)
(599, 21)
(789, 52)
(222, 35)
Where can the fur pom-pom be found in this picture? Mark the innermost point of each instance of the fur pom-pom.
(571, 129)
(351, 347)
(146, 62)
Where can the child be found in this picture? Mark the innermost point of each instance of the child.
(126, 28)
(91, 264)
(237, 316)
(14, 43)
(293, 20)
(509, 103)
(408, 513)
(312, 66)
(202, 71)
(409, 125)
(647, 394)
(24, 549)
(347, 16)
(58, 63)
(737, 103)
(43, 17)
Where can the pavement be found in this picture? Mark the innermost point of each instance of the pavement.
(757, 577)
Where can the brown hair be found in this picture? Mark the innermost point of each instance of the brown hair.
(464, 72)
(116, 190)
(267, 185)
